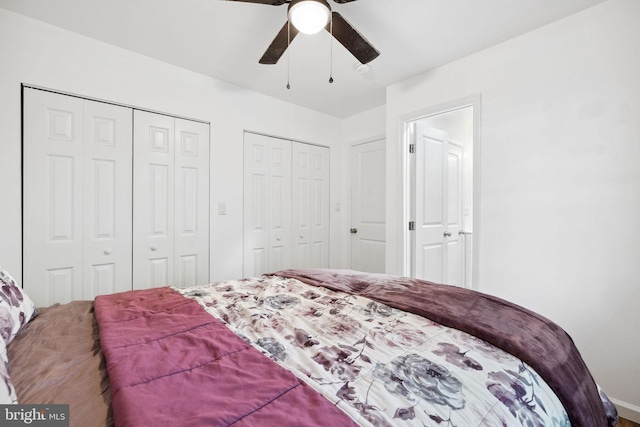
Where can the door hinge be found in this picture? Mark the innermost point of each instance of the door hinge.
(412, 225)
(412, 148)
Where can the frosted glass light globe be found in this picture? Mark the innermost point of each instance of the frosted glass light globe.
(309, 16)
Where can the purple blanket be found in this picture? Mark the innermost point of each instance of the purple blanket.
(172, 364)
(537, 341)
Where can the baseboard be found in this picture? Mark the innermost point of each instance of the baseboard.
(627, 410)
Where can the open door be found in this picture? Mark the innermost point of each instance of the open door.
(441, 208)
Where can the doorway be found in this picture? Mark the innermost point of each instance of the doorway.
(441, 145)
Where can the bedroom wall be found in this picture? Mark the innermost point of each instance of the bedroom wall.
(36, 53)
(559, 179)
(364, 126)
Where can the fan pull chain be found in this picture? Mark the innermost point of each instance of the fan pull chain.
(288, 50)
(331, 50)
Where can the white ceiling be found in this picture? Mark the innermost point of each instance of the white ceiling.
(225, 39)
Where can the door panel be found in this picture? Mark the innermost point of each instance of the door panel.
(368, 206)
(77, 197)
(301, 175)
(63, 191)
(319, 205)
(52, 175)
(108, 198)
(267, 204)
(158, 209)
(153, 195)
(60, 284)
(191, 207)
(310, 206)
(431, 215)
(279, 204)
(438, 207)
(256, 237)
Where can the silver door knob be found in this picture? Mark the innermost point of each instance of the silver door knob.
(353, 230)
(447, 234)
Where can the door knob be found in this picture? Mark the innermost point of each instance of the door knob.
(354, 230)
(154, 247)
(107, 251)
(447, 234)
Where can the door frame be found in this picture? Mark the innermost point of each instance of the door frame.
(408, 176)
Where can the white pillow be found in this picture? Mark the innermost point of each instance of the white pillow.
(16, 308)
(7, 391)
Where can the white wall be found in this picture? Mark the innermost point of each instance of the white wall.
(36, 53)
(560, 178)
(364, 126)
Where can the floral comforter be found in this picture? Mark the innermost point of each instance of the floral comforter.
(380, 365)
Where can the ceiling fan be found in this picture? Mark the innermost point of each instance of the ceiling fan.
(333, 22)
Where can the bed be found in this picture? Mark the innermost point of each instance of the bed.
(300, 348)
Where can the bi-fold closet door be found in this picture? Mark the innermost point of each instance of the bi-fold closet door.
(286, 204)
(310, 206)
(84, 198)
(76, 198)
(171, 201)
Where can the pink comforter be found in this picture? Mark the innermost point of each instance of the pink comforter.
(172, 364)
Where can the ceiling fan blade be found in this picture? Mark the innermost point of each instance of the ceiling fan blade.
(351, 39)
(279, 44)
(271, 2)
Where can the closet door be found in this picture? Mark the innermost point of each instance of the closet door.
(191, 244)
(107, 200)
(77, 198)
(310, 172)
(267, 204)
(153, 192)
(171, 202)
(279, 205)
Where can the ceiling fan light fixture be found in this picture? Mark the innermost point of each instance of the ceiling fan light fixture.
(309, 16)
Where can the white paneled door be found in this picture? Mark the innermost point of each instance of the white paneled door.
(154, 192)
(191, 203)
(438, 207)
(77, 197)
(114, 199)
(107, 198)
(267, 204)
(171, 201)
(310, 199)
(286, 204)
(368, 206)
